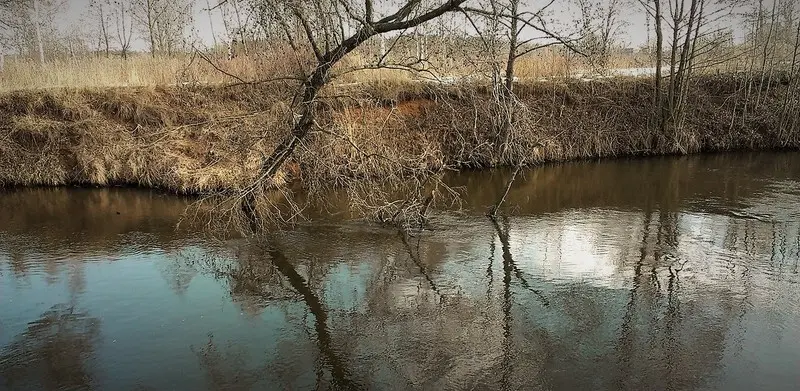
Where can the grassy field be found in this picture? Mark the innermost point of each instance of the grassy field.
(142, 70)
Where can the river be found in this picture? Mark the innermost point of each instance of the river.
(674, 273)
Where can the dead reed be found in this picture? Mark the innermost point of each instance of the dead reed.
(143, 70)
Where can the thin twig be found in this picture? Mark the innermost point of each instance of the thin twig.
(496, 207)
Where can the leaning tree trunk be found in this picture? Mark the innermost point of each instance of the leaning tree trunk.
(320, 76)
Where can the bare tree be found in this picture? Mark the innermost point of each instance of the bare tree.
(653, 8)
(37, 26)
(518, 21)
(29, 25)
(305, 24)
(99, 10)
(21, 24)
(771, 57)
(789, 111)
(693, 32)
(211, 22)
(122, 14)
(239, 23)
(524, 32)
(600, 24)
(5, 28)
(163, 22)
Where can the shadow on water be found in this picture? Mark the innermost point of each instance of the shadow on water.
(661, 274)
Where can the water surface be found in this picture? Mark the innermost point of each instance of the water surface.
(656, 274)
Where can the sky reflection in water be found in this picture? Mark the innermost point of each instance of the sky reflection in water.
(668, 273)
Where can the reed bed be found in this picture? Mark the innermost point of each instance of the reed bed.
(143, 70)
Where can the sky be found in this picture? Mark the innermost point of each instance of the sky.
(633, 34)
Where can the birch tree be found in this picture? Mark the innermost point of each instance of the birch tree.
(37, 28)
(100, 10)
(162, 22)
(122, 19)
(30, 25)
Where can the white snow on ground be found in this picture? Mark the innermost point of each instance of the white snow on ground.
(579, 75)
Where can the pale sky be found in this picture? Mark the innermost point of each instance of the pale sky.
(634, 34)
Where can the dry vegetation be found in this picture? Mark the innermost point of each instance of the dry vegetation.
(143, 70)
(207, 139)
(137, 71)
(300, 95)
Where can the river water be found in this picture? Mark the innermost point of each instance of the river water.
(646, 274)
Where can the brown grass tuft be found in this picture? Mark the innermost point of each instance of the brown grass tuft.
(211, 139)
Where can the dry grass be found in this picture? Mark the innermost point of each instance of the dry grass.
(207, 139)
(186, 140)
(178, 124)
(142, 70)
(145, 71)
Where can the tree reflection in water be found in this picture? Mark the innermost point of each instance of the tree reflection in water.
(591, 286)
(53, 353)
(420, 326)
(227, 369)
(259, 278)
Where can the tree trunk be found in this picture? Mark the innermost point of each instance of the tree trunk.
(211, 24)
(677, 16)
(507, 97)
(151, 26)
(764, 55)
(647, 23)
(773, 52)
(659, 101)
(104, 30)
(512, 49)
(318, 78)
(692, 56)
(124, 33)
(789, 104)
(38, 31)
(684, 57)
(757, 31)
(681, 76)
(301, 129)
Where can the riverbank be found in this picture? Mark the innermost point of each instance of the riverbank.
(208, 139)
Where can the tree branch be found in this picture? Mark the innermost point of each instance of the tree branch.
(309, 32)
(368, 12)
